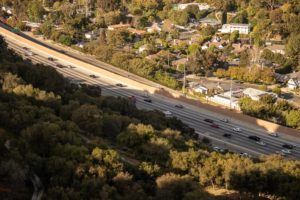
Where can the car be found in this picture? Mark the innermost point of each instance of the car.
(179, 106)
(273, 134)
(288, 146)
(93, 76)
(286, 151)
(25, 48)
(236, 129)
(209, 120)
(50, 59)
(243, 154)
(215, 125)
(218, 149)
(60, 66)
(148, 100)
(228, 135)
(28, 53)
(71, 66)
(167, 112)
(261, 143)
(280, 153)
(120, 85)
(225, 120)
(253, 137)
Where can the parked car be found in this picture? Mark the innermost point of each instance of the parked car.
(228, 135)
(209, 120)
(179, 106)
(288, 146)
(253, 137)
(215, 125)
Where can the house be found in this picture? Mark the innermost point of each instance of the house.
(293, 83)
(136, 31)
(256, 94)
(80, 45)
(91, 35)
(8, 10)
(182, 6)
(232, 103)
(154, 28)
(200, 89)
(178, 63)
(143, 48)
(241, 28)
(209, 22)
(277, 48)
(239, 47)
(205, 46)
(118, 27)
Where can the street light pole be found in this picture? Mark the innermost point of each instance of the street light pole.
(230, 93)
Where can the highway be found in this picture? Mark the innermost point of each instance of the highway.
(191, 115)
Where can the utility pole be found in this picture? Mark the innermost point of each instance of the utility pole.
(184, 78)
(230, 93)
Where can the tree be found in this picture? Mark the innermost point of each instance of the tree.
(293, 45)
(88, 117)
(292, 118)
(234, 36)
(173, 186)
(35, 11)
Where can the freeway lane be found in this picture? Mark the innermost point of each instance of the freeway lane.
(190, 114)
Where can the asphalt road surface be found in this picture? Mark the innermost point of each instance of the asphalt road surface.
(191, 115)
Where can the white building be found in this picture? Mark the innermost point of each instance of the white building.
(241, 28)
(255, 94)
(154, 28)
(91, 35)
(232, 103)
(277, 48)
(200, 89)
(293, 83)
(182, 6)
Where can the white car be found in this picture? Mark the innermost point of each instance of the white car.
(218, 149)
(286, 151)
(168, 113)
(225, 120)
(261, 143)
(236, 129)
(245, 155)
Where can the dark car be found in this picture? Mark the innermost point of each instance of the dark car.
(228, 135)
(288, 146)
(253, 137)
(93, 76)
(60, 66)
(215, 125)
(120, 85)
(209, 120)
(179, 106)
(50, 58)
(148, 100)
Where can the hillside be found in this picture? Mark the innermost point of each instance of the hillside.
(72, 143)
